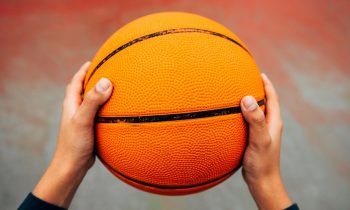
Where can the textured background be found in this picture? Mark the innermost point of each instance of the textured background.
(302, 45)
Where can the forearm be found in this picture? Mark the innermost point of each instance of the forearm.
(270, 194)
(74, 151)
(59, 184)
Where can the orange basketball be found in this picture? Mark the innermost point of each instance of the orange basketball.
(173, 124)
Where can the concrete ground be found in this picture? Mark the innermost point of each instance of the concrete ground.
(302, 45)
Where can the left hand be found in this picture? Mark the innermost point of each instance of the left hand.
(74, 151)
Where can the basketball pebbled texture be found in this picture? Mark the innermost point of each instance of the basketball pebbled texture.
(181, 68)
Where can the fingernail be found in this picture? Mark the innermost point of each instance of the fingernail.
(86, 65)
(263, 75)
(249, 103)
(103, 85)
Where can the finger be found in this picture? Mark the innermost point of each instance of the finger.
(74, 89)
(96, 97)
(258, 133)
(273, 113)
(77, 82)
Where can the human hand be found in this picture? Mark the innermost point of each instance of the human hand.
(261, 162)
(74, 151)
(76, 136)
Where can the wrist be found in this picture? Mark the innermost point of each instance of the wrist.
(67, 171)
(59, 183)
(270, 193)
(68, 163)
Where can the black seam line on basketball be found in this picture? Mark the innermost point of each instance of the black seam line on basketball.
(162, 33)
(169, 187)
(172, 117)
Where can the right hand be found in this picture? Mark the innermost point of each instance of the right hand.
(261, 162)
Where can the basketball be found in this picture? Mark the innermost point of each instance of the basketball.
(173, 125)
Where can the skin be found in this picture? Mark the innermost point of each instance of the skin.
(74, 154)
(261, 162)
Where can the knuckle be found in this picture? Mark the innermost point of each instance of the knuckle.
(73, 78)
(92, 97)
(280, 126)
(76, 120)
(67, 88)
(259, 118)
(262, 143)
(249, 163)
(277, 99)
(65, 103)
(79, 122)
(266, 142)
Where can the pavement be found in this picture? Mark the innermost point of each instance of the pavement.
(301, 45)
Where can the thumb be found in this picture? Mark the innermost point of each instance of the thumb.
(96, 97)
(258, 132)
